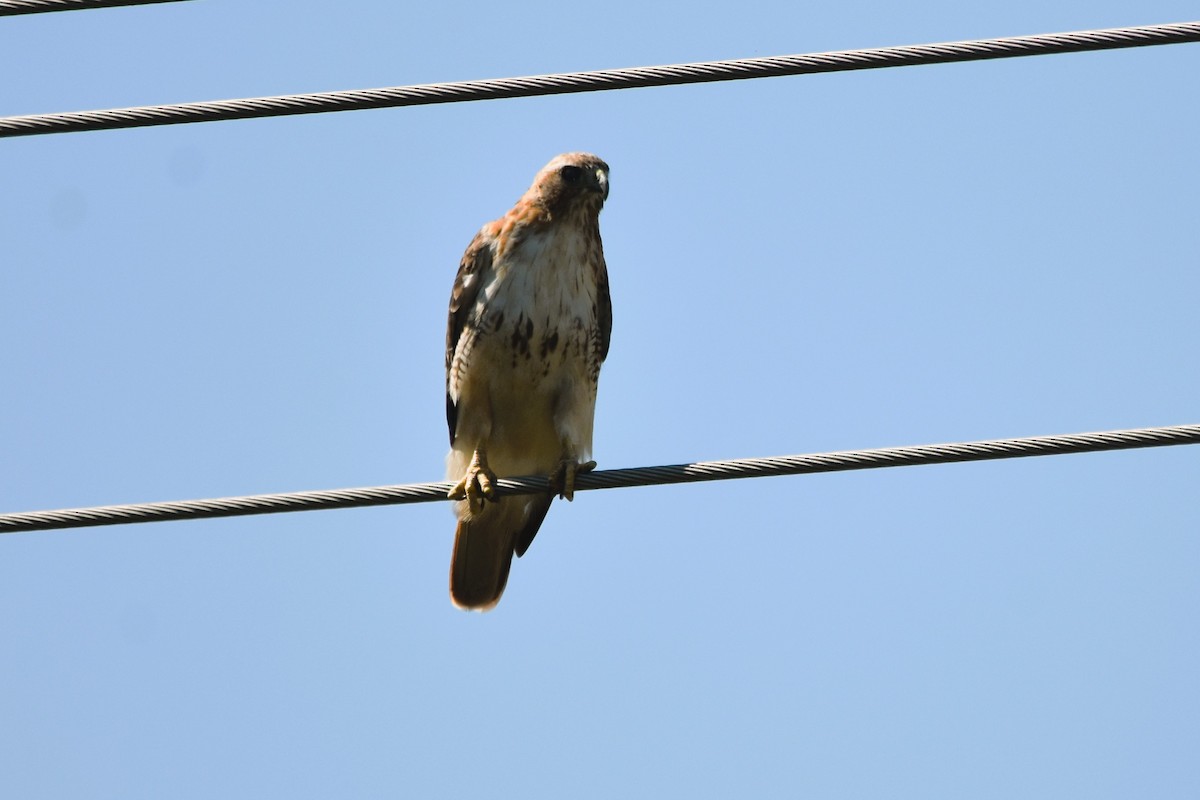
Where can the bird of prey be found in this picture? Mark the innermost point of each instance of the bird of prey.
(530, 317)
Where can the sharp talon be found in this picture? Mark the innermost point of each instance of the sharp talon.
(562, 480)
(477, 485)
(485, 485)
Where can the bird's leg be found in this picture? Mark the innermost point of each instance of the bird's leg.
(562, 480)
(477, 484)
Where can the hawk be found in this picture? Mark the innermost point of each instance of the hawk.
(530, 318)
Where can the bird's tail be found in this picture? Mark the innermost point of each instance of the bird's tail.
(484, 544)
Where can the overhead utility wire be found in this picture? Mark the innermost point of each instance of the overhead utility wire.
(611, 479)
(9, 8)
(600, 80)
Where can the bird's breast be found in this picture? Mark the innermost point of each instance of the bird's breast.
(539, 310)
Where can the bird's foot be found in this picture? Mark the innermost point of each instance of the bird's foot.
(477, 485)
(562, 480)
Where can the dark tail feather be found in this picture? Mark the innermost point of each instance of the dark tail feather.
(483, 548)
(479, 567)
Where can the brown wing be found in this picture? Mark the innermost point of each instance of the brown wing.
(603, 308)
(537, 507)
(471, 274)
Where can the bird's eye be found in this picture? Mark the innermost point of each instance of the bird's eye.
(571, 174)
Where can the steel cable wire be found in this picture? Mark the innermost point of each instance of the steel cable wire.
(9, 8)
(601, 80)
(610, 479)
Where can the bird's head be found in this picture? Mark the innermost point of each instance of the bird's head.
(572, 182)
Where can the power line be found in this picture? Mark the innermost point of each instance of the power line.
(611, 479)
(10, 8)
(601, 80)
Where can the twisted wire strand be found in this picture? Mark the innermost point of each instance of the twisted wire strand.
(611, 479)
(601, 80)
(10, 8)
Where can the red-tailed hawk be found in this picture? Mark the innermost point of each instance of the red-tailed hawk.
(530, 317)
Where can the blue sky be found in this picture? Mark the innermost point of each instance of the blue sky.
(802, 264)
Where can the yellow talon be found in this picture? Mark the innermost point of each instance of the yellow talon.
(477, 485)
(562, 480)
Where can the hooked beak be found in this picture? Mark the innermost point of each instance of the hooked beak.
(600, 182)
